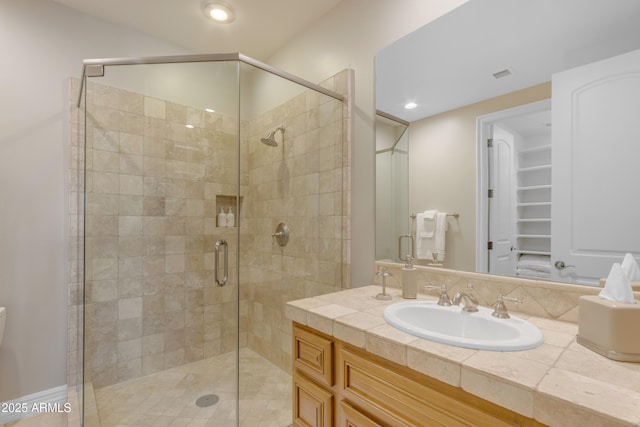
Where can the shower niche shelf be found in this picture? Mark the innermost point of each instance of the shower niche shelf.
(225, 202)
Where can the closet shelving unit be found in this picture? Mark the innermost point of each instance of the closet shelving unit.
(534, 200)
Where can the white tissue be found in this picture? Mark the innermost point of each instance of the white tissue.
(618, 286)
(630, 267)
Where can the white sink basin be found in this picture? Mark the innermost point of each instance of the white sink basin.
(451, 325)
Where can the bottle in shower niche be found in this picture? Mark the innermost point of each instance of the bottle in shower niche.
(231, 219)
(222, 218)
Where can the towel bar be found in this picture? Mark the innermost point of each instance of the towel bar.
(455, 215)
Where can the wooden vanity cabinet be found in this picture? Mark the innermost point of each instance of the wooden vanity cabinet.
(337, 384)
(313, 378)
(313, 405)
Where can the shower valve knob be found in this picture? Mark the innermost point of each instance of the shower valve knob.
(282, 234)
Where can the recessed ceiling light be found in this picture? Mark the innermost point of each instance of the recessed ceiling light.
(209, 110)
(410, 105)
(189, 126)
(218, 12)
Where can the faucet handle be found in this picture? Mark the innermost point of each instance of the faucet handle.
(384, 272)
(383, 295)
(408, 261)
(501, 311)
(444, 296)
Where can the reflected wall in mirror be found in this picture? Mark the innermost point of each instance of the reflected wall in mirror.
(461, 103)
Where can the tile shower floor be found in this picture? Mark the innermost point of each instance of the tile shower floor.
(168, 398)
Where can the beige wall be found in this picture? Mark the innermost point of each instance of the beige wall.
(442, 168)
(43, 44)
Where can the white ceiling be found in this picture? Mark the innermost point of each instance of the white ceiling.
(261, 27)
(449, 62)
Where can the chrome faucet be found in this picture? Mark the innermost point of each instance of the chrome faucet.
(469, 302)
(444, 299)
(501, 311)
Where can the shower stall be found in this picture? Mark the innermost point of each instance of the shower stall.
(190, 170)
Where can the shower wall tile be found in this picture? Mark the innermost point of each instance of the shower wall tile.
(300, 183)
(154, 107)
(151, 194)
(131, 102)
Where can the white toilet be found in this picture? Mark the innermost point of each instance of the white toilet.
(3, 319)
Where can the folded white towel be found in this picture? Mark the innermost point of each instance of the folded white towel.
(539, 268)
(430, 214)
(539, 263)
(425, 230)
(537, 260)
(440, 234)
(431, 227)
(528, 272)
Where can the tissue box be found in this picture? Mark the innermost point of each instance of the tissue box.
(609, 328)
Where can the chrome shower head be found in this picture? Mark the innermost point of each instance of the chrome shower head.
(270, 139)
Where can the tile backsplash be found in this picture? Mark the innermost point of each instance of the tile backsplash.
(541, 298)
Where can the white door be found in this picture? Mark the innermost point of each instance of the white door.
(501, 159)
(596, 127)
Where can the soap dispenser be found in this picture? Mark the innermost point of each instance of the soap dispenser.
(222, 218)
(409, 283)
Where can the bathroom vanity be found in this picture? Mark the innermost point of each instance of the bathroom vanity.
(332, 378)
(351, 368)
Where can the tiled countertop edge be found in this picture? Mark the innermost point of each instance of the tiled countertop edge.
(532, 383)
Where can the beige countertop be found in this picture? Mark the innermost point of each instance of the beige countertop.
(560, 383)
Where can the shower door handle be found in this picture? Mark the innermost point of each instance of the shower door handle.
(410, 237)
(223, 243)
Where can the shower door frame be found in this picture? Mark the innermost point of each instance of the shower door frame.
(95, 68)
(99, 63)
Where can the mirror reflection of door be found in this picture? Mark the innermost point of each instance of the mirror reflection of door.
(595, 113)
(517, 197)
(501, 195)
(596, 139)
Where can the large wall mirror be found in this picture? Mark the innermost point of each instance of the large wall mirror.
(524, 130)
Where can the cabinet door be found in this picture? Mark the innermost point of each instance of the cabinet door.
(398, 400)
(312, 404)
(313, 355)
(351, 417)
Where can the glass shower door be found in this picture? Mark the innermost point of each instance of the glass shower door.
(292, 161)
(161, 270)
(193, 165)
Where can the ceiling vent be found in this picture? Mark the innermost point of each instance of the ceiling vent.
(500, 74)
